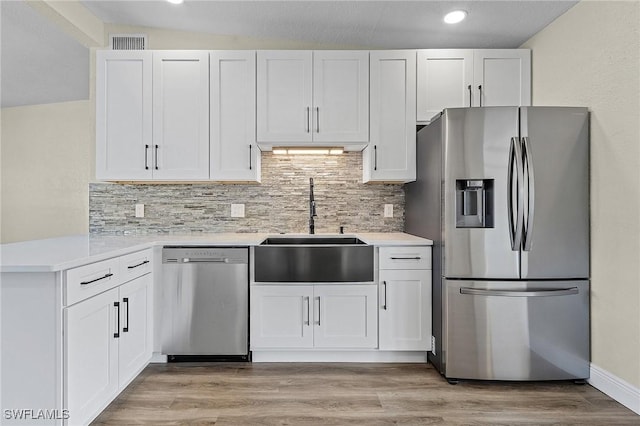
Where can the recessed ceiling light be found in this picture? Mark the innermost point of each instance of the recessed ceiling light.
(455, 16)
(176, 1)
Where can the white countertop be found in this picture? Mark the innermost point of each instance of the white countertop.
(56, 254)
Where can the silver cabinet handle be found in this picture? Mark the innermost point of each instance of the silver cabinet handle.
(517, 293)
(97, 279)
(317, 119)
(406, 258)
(308, 310)
(384, 286)
(308, 118)
(138, 265)
(470, 92)
(318, 299)
(156, 157)
(146, 157)
(480, 96)
(528, 228)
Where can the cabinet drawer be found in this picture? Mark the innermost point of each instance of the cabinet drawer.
(136, 264)
(405, 257)
(89, 280)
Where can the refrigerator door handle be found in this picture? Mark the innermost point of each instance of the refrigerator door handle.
(516, 293)
(528, 229)
(515, 232)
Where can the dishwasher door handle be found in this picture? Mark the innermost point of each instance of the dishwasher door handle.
(205, 260)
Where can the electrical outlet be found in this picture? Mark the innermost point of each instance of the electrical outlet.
(388, 210)
(139, 210)
(237, 210)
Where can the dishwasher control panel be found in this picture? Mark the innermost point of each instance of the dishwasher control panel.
(205, 254)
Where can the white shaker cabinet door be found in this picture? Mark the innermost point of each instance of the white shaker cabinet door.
(340, 96)
(391, 154)
(281, 316)
(234, 153)
(345, 316)
(135, 327)
(123, 115)
(91, 355)
(180, 115)
(405, 310)
(502, 77)
(445, 80)
(284, 96)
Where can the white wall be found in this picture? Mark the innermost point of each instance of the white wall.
(46, 159)
(590, 57)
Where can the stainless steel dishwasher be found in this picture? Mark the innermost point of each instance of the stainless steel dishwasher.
(205, 312)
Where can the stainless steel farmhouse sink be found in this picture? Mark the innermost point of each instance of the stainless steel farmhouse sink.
(312, 240)
(325, 259)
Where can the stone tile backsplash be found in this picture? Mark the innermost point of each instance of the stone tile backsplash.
(279, 204)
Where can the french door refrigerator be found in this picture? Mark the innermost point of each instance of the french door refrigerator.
(504, 194)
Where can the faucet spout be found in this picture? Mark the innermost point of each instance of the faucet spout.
(312, 208)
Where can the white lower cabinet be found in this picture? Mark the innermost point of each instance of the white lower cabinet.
(107, 342)
(405, 298)
(314, 316)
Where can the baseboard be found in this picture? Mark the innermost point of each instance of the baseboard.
(338, 356)
(618, 389)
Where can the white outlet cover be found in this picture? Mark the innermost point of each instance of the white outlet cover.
(388, 210)
(139, 210)
(237, 210)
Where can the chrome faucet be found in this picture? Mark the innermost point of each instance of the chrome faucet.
(312, 208)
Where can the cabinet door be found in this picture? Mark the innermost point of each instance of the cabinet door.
(234, 154)
(391, 154)
(502, 77)
(281, 316)
(135, 327)
(284, 96)
(405, 310)
(445, 77)
(345, 316)
(340, 96)
(180, 115)
(91, 355)
(123, 115)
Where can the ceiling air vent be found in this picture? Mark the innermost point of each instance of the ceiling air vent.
(128, 41)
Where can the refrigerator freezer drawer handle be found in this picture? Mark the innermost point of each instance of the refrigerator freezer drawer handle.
(515, 293)
(528, 229)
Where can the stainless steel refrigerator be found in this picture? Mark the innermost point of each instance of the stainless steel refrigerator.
(504, 194)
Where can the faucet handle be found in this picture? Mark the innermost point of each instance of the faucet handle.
(341, 229)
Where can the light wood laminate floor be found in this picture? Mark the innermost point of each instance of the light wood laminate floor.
(346, 394)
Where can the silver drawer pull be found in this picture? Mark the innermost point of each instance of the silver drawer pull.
(139, 264)
(406, 258)
(97, 279)
(517, 293)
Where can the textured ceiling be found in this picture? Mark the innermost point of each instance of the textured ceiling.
(42, 64)
(376, 24)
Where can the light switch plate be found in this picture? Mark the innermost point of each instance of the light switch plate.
(388, 210)
(139, 210)
(237, 210)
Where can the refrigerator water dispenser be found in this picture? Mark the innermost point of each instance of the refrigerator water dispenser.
(474, 203)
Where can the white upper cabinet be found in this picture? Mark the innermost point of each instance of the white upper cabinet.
(313, 98)
(284, 96)
(123, 115)
(234, 154)
(391, 153)
(445, 77)
(455, 78)
(180, 115)
(340, 96)
(502, 77)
